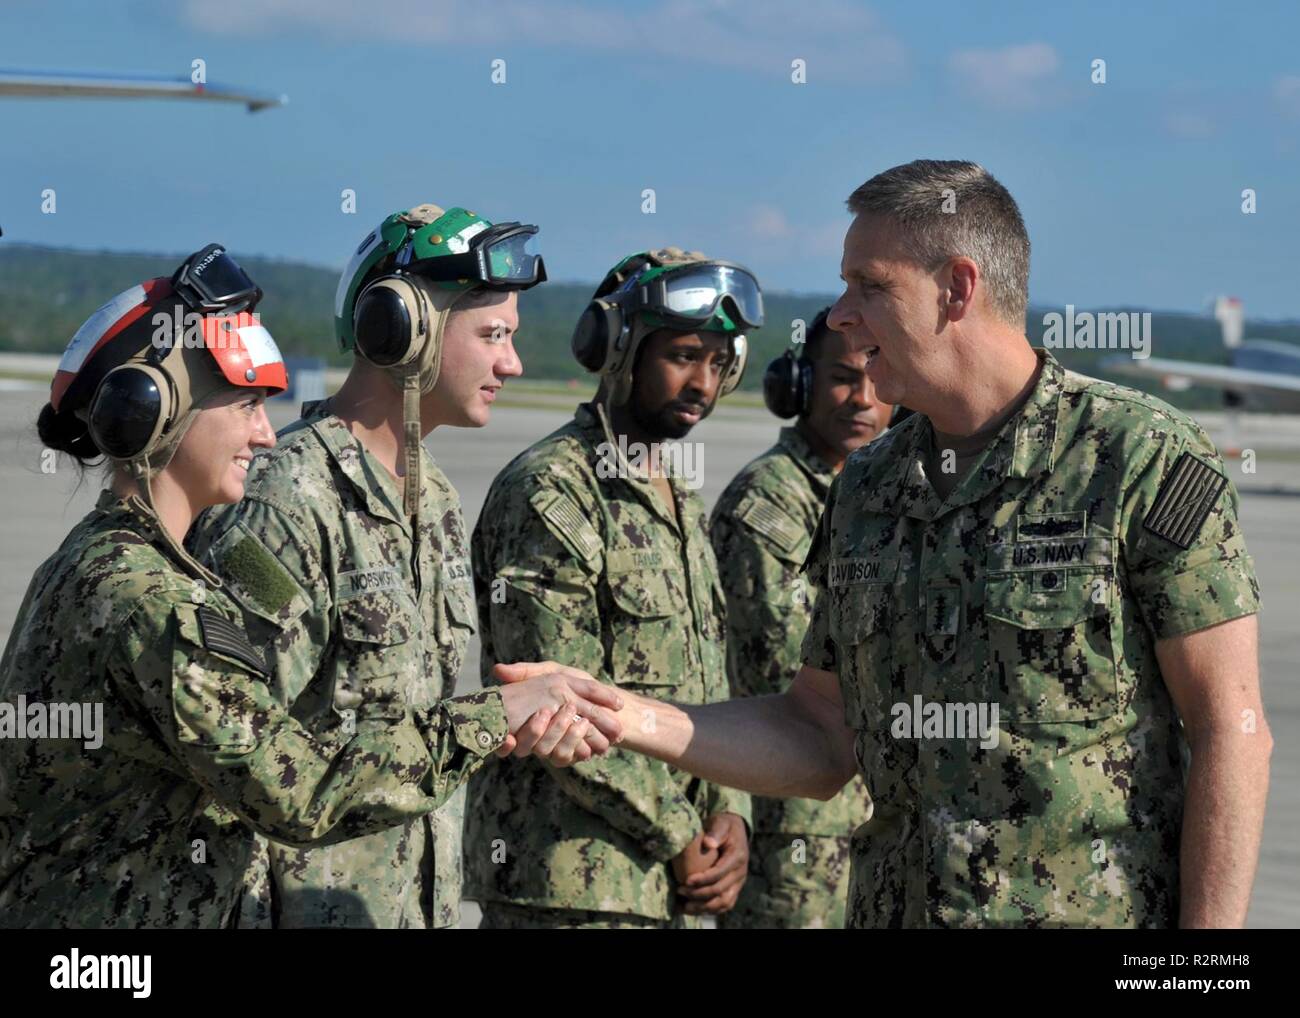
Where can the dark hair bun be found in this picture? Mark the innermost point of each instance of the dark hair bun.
(67, 433)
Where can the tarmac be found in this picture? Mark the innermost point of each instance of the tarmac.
(45, 505)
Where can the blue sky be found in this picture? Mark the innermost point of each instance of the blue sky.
(1131, 189)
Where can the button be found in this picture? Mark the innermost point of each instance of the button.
(1050, 581)
(484, 739)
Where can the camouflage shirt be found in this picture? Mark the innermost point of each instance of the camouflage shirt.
(361, 621)
(574, 565)
(762, 526)
(154, 828)
(1097, 522)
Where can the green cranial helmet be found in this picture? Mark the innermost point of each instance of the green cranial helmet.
(453, 249)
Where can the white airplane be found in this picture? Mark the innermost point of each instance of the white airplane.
(51, 84)
(1262, 374)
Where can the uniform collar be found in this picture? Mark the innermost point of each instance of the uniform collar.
(1024, 447)
(792, 442)
(137, 516)
(374, 485)
(593, 422)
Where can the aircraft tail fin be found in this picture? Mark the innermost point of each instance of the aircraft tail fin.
(1232, 320)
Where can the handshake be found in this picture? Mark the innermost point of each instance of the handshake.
(557, 713)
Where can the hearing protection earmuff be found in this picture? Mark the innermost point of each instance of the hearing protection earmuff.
(603, 339)
(787, 384)
(392, 320)
(133, 408)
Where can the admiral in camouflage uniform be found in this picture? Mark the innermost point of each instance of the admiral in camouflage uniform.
(762, 527)
(1097, 521)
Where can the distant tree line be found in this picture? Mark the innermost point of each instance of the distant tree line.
(46, 293)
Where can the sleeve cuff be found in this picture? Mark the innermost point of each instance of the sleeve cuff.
(478, 721)
(668, 844)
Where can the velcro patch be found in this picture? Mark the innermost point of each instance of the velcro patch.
(224, 637)
(1065, 551)
(763, 516)
(257, 573)
(1037, 526)
(1185, 500)
(565, 520)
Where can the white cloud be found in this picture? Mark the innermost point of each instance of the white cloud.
(1194, 126)
(1014, 77)
(1286, 90)
(839, 40)
(768, 223)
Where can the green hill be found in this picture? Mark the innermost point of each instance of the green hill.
(46, 293)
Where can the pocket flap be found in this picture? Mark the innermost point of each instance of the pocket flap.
(1048, 599)
(381, 617)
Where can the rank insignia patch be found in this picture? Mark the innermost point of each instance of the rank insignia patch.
(1185, 500)
(224, 637)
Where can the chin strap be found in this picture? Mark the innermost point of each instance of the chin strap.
(411, 442)
(140, 471)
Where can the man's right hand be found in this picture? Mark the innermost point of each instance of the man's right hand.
(557, 713)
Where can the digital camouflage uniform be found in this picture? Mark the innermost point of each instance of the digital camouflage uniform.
(1041, 585)
(595, 572)
(356, 618)
(155, 827)
(762, 526)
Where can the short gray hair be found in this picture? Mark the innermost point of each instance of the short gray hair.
(946, 208)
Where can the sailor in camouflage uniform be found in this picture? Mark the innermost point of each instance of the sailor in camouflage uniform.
(1062, 549)
(762, 527)
(151, 822)
(357, 583)
(583, 552)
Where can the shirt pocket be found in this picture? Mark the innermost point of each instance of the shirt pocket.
(861, 623)
(1051, 651)
(648, 633)
(462, 622)
(379, 668)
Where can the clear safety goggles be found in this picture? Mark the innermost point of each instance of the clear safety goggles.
(499, 258)
(692, 294)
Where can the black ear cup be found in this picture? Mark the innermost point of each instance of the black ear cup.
(385, 325)
(597, 331)
(131, 410)
(787, 385)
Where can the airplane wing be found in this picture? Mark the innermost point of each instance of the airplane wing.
(108, 86)
(1180, 374)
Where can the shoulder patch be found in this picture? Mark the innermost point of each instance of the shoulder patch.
(248, 564)
(565, 520)
(1184, 500)
(763, 516)
(225, 637)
